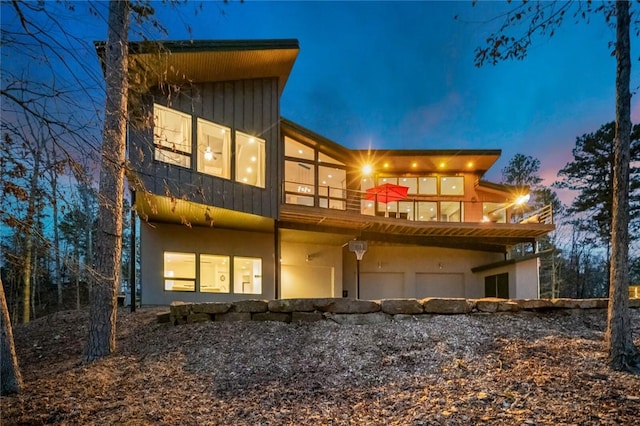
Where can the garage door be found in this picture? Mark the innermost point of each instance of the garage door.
(439, 285)
(306, 281)
(381, 285)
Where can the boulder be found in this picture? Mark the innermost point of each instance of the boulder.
(198, 317)
(447, 306)
(180, 309)
(534, 304)
(271, 316)
(163, 317)
(346, 306)
(251, 306)
(494, 304)
(211, 307)
(358, 319)
(580, 303)
(291, 305)
(401, 306)
(233, 316)
(306, 316)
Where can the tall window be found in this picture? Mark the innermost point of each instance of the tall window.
(450, 211)
(247, 273)
(427, 185)
(214, 149)
(250, 159)
(172, 136)
(332, 187)
(179, 271)
(214, 274)
(497, 286)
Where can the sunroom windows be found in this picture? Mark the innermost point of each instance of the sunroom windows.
(213, 147)
(214, 273)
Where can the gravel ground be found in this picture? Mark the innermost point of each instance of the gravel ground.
(510, 368)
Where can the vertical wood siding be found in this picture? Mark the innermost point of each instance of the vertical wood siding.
(250, 106)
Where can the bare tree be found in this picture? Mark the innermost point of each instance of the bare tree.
(10, 377)
(106, 276)
(543, 18)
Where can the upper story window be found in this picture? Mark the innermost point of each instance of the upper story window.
(250, 159)
(428, 185)
(214, 149)
(452, 185)
(172, 136)
(313, 178)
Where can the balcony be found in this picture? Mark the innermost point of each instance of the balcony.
(422, 221)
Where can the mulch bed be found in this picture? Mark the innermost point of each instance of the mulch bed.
(509, 368)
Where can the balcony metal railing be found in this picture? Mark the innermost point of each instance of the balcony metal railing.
(413, 208)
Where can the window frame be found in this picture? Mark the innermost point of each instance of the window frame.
(166, 152)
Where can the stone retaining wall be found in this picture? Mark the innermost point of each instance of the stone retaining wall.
(353, 311)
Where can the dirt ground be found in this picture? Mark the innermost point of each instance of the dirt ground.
(496, 369)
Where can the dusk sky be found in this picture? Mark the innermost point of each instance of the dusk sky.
(394, 75)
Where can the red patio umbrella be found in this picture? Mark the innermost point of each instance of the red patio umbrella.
(387, 193)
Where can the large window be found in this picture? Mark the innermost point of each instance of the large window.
(172, 136)
(247, 273)
(494, 212)
(497, 286)
(179, 271)
(450, 211)
(428, 185)
(214, 274)
(313, 178)
(214, 149)
(427, 211)
(452, 185)
(250, 159)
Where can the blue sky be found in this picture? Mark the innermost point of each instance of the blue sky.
(393, 75)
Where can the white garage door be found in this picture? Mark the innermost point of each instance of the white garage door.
(439, 285)
(381, 285)
(306, 281)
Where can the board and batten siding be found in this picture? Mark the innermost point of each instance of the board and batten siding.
(249, 106)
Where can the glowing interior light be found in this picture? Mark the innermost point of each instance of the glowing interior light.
(329, 176)
(253, 159)
(485, 219)
(252, 140)
(249, 170)
(244, 179)
(208, 154)
(300, 151)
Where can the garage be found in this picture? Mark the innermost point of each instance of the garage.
(382, 285)
(439, 285)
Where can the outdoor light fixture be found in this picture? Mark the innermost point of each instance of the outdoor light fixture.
(208, 154)
(522, 199)
(367, 169)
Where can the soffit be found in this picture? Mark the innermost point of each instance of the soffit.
(208, 61)
(155, 208)
(429, 161)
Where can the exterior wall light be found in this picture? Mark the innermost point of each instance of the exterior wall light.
(522, 199)
(367, 169)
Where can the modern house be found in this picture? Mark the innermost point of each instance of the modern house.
(237, 202)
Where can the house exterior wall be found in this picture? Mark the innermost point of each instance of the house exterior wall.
(310, 270)
(155, 239)
(249, 106)
(425, 271)
(524, 281)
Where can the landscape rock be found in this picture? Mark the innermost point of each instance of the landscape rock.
(346, 306)
(493, 304)
(271, 316)
(581, 303)
(291, 305)
(401, 306)
(359, 319)
(447, 306)
(211, 307)
(233, 316)
(534, 304)
(306, 316)
(198, 317)
(251, 306)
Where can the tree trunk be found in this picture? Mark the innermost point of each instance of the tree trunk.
(623, 355)
(10, 377)
(106, 276)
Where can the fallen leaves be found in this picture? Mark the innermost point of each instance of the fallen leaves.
(456, 370)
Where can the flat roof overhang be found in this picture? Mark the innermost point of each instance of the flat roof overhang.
(493, 237)
(157, 208)
(199, 61)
